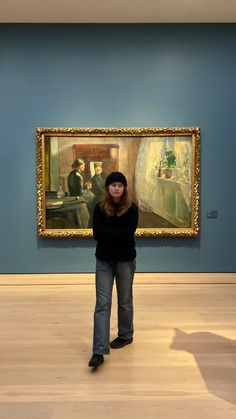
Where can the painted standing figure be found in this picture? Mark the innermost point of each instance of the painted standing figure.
(76, 184)
(81, 190)
(98, 182)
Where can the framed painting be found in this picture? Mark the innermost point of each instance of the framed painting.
(162, 167)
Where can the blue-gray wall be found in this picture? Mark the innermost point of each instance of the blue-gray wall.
(117, 76)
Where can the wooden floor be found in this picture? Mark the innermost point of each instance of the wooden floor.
(181, 365)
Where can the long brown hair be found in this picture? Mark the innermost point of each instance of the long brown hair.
(110, 208)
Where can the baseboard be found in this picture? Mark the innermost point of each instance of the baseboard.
(140, 278)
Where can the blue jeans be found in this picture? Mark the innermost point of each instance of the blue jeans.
(106, 272)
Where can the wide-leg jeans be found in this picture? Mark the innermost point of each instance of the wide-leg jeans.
(106, 272)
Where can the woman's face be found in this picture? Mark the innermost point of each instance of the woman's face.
(116, 190)
(82, 167)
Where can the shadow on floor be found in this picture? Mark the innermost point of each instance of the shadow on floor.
(215, 356)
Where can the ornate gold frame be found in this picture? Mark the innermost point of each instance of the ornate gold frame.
(140, 133)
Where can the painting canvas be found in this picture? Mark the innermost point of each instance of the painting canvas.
(161, 165)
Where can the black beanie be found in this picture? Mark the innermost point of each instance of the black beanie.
(115, 177)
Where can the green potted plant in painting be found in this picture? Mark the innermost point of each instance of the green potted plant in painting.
(169, 163)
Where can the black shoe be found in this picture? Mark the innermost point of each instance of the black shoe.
(119, 343)
(96, 360)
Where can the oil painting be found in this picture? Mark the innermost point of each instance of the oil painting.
(162, 167)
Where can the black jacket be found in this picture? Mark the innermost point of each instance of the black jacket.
(75, 183)
(115, 235)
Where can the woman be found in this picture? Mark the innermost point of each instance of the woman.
(115, 220)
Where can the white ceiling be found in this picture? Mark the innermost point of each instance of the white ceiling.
(117, 11)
